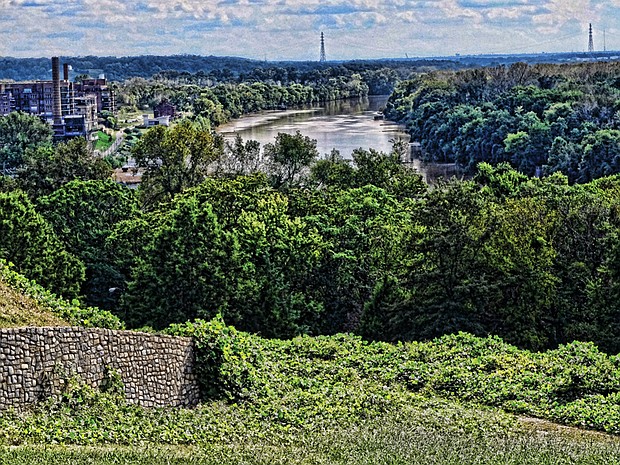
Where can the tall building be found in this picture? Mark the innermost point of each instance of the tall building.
(71, 108)
(99, 88)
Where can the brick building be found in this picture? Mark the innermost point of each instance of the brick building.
(76, 112)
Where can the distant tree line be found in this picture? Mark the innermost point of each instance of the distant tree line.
(219, 69)
(219, 96)
(222, 102)
(540, 119)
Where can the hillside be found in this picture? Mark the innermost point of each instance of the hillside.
(25, 303)
(17, 309)
(340, 399)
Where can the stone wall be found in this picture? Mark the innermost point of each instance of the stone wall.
(156, 370)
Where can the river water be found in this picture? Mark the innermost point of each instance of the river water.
(344, 125)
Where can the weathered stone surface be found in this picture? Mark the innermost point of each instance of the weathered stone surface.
(157, 371)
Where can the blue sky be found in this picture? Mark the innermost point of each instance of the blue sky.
(285, 29)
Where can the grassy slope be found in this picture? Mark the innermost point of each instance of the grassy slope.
(104, 142)
(17, 309)
(385, 441)
(25, 303)
(331, 400)
(321, 401)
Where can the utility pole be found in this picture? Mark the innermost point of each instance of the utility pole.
(322, 58)
(590, 41)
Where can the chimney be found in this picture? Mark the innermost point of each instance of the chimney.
(56, 102)
(65, 71)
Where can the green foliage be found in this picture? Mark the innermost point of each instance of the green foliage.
(84, 214)
(277, 390)
(229, 247)
(174, 159)
(28, 241)
(184, 272)
(369, 167)
(289, 158)
(19, 133)
(48, 168)
(574, 384)
(228, 361)
(71, 312)
(540, 118)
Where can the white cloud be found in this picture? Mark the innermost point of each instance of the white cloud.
(288, 29)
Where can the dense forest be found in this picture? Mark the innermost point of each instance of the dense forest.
(541, 119)
(282, 243)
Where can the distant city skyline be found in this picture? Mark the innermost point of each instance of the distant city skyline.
(290, 30)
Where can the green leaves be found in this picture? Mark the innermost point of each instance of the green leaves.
(84, 214)
(538, 118)
(20, 133)
(288, 159)
(29, 242)
(174, 159)
(48, 168)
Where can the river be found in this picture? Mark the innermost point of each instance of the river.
(344, 125)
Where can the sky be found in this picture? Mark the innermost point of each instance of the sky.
(290, 30)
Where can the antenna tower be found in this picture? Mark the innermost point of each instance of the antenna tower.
(322, 59)
(590, 41)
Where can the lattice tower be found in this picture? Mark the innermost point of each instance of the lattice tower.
(322, 57)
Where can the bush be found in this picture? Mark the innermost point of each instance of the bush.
(228, 361)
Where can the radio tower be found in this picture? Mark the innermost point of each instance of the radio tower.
(590, 41)
(322, 59)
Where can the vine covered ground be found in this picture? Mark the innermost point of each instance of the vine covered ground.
(336, 397)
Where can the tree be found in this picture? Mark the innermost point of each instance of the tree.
(564, 156)
(19, 133)
(333, 170)
(239, 159)
(288, 159)
(48, 168)
(174, 159)
(227, 247)
(84, 214)
(184, 272)
(447, 289)
(29, 242)
(601, 155)
(386, 171)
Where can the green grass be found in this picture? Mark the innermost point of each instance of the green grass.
(17, 309)
(104, 142)
(25, 303)
(384, 441)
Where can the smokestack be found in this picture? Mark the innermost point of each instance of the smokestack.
(56, 103)
(65, 71)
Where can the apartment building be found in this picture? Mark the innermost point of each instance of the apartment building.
(71, 108)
